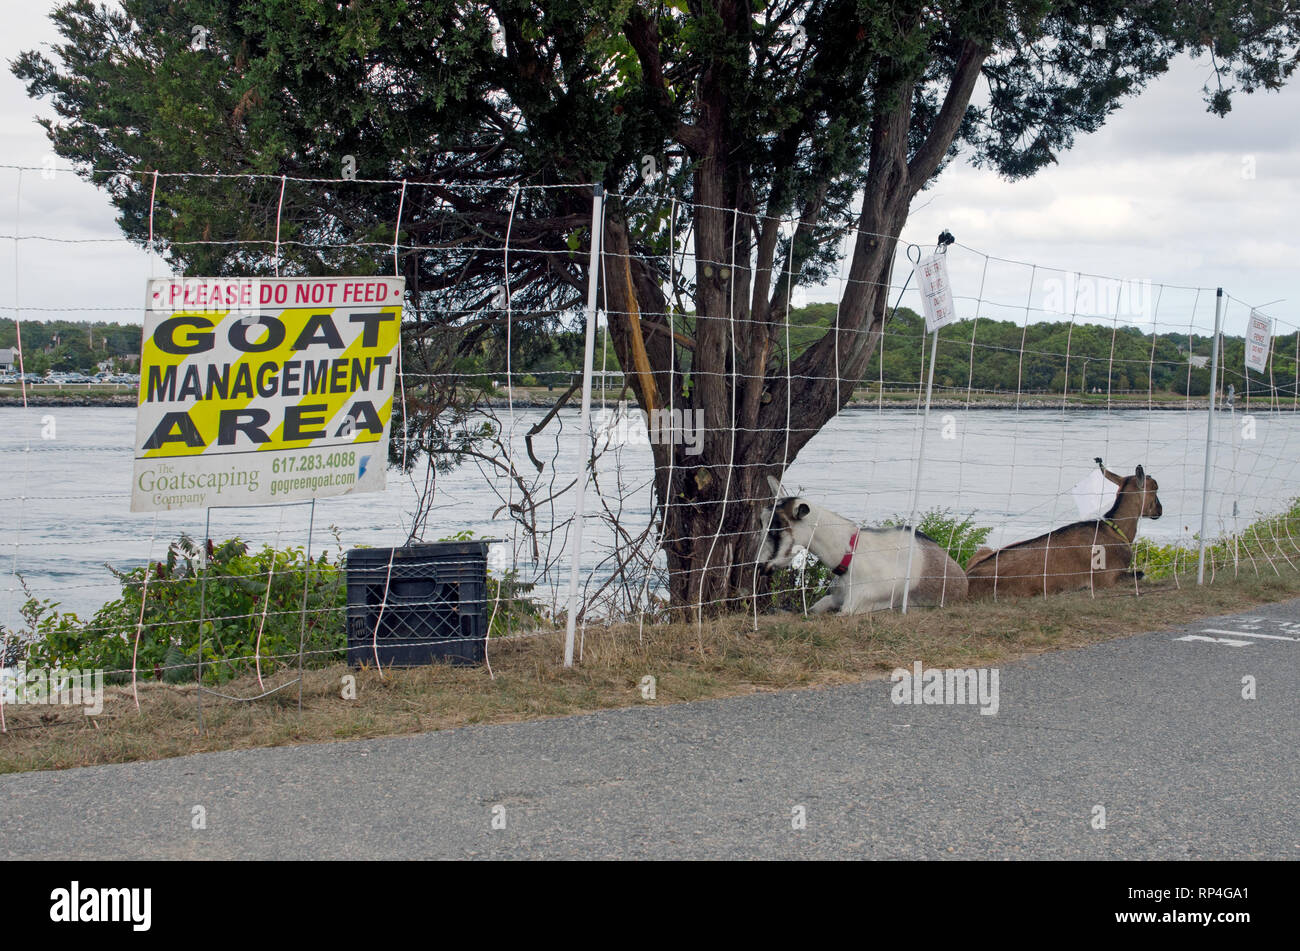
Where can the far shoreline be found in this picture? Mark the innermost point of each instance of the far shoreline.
(46, 395)
(41, 396)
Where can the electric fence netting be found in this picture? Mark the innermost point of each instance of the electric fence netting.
(562, 392)
(985, 433)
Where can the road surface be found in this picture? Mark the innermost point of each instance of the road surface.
(1153, 729)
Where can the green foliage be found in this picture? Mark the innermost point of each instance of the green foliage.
(1010, 357)
(71, 346)
(798, 588)
(958, 535)
(42, 622)
(1271, 537)
(1158, 562)
(510, 608)
(232, 596)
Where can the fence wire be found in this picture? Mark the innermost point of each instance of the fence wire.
(1045, 370)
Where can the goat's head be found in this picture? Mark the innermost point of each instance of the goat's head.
(1139, 485)
(783, 523)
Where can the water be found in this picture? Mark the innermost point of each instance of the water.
(66, 502)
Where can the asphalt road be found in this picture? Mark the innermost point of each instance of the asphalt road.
(1153, 728)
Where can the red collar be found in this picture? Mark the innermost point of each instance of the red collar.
(843, 566)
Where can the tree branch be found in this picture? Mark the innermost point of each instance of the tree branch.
(643, 34)
(948, 121)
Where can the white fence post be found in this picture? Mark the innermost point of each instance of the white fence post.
(1209, 438)
(920, 466)
(584, 427)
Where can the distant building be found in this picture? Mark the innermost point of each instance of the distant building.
(7, 359)
(1198, 361)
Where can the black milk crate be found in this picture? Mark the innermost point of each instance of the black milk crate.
(436, 608)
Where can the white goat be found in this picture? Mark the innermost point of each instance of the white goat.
(869, 564)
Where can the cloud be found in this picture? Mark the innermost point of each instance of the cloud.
(1164, 192)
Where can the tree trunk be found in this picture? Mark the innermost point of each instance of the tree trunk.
(759, 413)
(712, 530)
(756, 418)
(714, 522)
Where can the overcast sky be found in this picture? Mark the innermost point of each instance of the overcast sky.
(1166, 193)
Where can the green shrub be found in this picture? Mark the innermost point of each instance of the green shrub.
(509, 606)
(799, 588)
(1274, 536)
(231, 595)
(42, 620)
(1157, 562)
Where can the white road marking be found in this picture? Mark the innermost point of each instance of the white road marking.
(1271, 637)
(1214, 640)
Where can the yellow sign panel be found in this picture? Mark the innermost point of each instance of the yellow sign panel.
(263, 390)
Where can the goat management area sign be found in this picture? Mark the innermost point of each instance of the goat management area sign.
(262, 390)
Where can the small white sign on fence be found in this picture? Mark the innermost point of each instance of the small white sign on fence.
(936, 294)
(1259, 338)
(1094, 494)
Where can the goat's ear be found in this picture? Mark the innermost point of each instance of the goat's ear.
(775, 485)
(1141, 477)
(801, 510)
(1118, 480)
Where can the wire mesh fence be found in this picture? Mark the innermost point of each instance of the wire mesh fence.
(655, 469)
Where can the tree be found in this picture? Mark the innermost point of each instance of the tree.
(830, 115)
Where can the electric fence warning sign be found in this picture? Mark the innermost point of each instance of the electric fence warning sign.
(263, 390)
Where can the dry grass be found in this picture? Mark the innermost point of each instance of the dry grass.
(724, 658)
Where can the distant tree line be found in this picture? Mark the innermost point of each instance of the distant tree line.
(67, 346)
(1007, 356)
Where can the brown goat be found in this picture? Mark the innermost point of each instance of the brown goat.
(1093, 554)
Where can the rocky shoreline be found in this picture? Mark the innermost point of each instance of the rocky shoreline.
(1029, 403)
(36, 397)
(42, 397)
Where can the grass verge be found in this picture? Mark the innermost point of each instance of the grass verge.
(723, 658)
